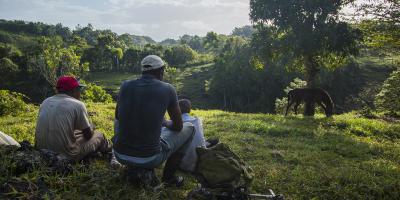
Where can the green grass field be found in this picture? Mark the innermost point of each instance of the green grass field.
(344, 157)
(110, 80)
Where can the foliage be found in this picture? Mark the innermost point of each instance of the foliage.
(308, 35)
(171, 76)
(381, 10)
(302, 158)
(8, 71)
(11, 103)
(94, 93)
(38, 28)
(382, 36)
(52, 60)
(179, 55)
(255, 88)
(245, 31)
(280, 104)
(388, 98)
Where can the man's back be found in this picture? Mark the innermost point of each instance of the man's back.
(59, 117)
(142, 104)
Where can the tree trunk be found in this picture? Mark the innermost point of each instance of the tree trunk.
(311, 72)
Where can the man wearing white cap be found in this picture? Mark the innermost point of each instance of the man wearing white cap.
(143, 139)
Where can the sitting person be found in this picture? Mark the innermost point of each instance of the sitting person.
(63, 125)
(188, 163)
(144, 140)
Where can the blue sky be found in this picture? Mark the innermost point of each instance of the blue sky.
(159, 19)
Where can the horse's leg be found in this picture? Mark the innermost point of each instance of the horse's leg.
(296, 106)
(322, 105)
(290, 103)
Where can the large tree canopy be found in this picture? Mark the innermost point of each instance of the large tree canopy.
(309, 34)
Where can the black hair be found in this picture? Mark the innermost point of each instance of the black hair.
(185, 105)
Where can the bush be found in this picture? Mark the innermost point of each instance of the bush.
(388, 97)
(95, 93)
(179, 55)
(11, 103)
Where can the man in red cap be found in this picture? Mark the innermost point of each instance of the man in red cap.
(63, 124)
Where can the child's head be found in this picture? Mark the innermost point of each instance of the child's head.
(185, 105)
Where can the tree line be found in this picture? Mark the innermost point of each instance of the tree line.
(39, 53)
(312, 41)
(289, 41)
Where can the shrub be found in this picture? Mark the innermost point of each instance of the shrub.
(95, 93)
(388, 97)
(11, 103)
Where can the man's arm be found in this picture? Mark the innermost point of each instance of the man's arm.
(176, 123)
(82, 122)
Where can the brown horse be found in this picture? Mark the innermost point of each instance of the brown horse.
(313, 95)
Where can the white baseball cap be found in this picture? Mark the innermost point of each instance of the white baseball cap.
(153, 61)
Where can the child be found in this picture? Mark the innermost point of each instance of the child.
(189, 160)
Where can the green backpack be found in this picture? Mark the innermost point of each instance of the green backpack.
(219, 167)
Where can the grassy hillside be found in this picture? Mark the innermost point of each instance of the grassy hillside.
(344, 157)
(190, 82)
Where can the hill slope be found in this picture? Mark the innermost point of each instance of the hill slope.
(344, 157)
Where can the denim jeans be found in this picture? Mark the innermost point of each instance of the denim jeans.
(170, 141)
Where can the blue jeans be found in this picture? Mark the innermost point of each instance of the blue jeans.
(170, 142)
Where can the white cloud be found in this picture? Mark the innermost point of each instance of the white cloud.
(196, 25)
(159, 19)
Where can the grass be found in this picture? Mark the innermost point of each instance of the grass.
(110, 80)
(344, 157)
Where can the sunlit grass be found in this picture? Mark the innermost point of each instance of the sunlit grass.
(344, 157)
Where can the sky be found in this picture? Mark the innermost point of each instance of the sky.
(159, 19)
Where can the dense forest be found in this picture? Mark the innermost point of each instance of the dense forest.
(251, 67)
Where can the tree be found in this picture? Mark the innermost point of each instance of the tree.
(388, 98)
(8, 71)
(131, 60)
(309, 34)
(245, 31)
(381, 24)
(179, 55)
(381, 10)
(53, 60)
(211, 40)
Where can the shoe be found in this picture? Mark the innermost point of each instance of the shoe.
(172, 166)
(115, 164)
(176, 181)
(106, 147)
(143, 177)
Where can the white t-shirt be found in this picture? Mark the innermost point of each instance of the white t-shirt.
(59, 116)
(189, 160)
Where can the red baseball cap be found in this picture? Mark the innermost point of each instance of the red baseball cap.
(67, 83)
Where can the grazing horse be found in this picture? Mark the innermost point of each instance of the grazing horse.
(314, 95)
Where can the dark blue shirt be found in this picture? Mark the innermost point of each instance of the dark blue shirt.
(142, 104)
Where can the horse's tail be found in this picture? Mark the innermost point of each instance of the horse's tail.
(289, 96)
(329, 103)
